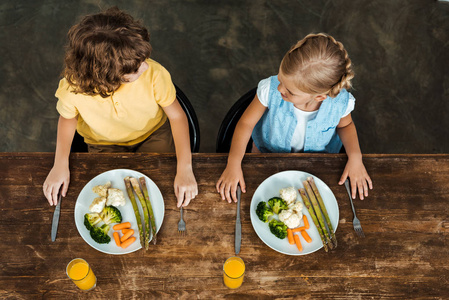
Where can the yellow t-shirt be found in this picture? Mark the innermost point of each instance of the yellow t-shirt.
(128, 117)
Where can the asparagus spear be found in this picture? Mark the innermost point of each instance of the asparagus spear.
(150, 208)
(323, 209)
(139, 194)
(306, 201)
(318, 213)
(129, 190)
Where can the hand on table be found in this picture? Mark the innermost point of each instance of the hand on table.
(228, 182)
(359, 178)
(58, 176)
(186, 188)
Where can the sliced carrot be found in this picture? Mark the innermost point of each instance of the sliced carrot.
(125, 230)
(299, 229)
(306, 222)
(126, 235)
(298, 243)
(121, 226)
(128, 242)
(306, 236)
(290, 236)
(116, 238)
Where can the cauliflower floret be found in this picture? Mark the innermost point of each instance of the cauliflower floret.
(296, 208)
(285, 214)
(97, 205)
(115, 197)
(102, 190)
(288, 194)
(293, 221)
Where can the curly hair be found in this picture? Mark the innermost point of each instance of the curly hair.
(102, 48)
(319, 64)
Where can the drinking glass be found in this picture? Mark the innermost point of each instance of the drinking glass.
(81, 274)
(233, 272)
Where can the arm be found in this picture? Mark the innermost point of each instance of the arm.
(185, 184)
(354, 169)
(60, 173)
(233, 174)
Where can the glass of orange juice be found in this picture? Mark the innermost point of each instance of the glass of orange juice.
(233, 271)
(81, 274)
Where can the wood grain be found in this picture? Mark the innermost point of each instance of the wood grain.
(404, 255)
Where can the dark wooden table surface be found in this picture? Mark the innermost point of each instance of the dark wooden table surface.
(404, 255)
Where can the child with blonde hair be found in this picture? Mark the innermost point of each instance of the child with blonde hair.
(304, 108)
(119, 100)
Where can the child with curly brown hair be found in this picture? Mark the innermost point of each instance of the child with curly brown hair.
(304, 108)
(119, 100)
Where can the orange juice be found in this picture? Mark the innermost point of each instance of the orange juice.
(233, 271)
(81, 274)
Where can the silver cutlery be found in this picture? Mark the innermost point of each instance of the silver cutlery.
(356, 221)
(238, 225)
(56, 213)
(181, 225)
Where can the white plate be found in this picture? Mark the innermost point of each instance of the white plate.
(116, 177)
(270, 187)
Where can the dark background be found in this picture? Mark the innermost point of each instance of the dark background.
(218, 50)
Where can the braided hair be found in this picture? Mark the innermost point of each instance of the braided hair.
(319, 64)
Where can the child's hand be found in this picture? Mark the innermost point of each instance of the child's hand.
(185, 186)
(59, 175)
(359, 178)
(227, 184)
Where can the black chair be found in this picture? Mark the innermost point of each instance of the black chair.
(226, 131)
(78, 144)
(194, 127)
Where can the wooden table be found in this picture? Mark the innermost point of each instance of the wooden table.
(404, 255)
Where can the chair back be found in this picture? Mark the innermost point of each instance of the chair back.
(194, 127)
(78, 144)
(226, 131)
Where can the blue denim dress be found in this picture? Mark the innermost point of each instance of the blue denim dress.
(274, 131)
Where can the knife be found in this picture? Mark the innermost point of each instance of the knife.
(238, 225)
(54, 225)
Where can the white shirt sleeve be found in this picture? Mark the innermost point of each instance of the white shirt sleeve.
(351, 105)
(263, 90)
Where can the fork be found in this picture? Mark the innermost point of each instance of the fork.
(181, 225)
(355, 222)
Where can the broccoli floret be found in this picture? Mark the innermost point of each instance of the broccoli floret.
(277, 204)
(278, 228)
(100, 234)
(90, 220)
(111, 214)
(263, 211)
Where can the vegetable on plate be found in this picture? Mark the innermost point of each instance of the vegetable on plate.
(323, 209)
(297, 242)
(130, 192)
(127, 235)
(120, 226)
(277, 204)
(291, 240)
(316, 208)
(128, 242)
(263, 211)
(100, 234)
(116, 238)
(278, 228)
(111, 214)
(149, 207)
(306, 200)
(91, 219)
(147, 224)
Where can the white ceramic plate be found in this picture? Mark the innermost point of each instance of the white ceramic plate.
(116, 177)
(270, 187)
